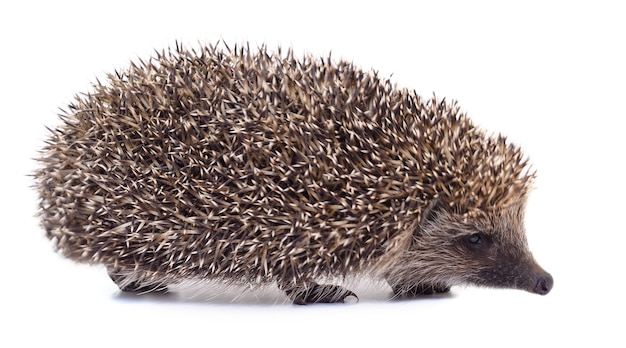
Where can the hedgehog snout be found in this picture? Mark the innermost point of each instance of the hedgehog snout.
(538, 281)
(543, 283)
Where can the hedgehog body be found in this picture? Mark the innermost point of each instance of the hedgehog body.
(255, 167)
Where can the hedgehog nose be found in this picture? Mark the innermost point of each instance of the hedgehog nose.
(543, 283)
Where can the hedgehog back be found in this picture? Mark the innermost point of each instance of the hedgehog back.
(232, 164)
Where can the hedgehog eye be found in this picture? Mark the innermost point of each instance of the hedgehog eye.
(475, 238)
(476, 241)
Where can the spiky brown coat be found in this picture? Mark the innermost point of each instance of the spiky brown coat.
(254, 166)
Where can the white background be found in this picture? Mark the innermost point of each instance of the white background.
(550, 75)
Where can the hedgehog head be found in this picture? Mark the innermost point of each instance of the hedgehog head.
(473, 191)
(485, 249)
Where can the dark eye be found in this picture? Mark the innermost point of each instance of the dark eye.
(475, 238)
(476, 241)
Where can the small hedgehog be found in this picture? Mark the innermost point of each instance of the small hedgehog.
(252, 167)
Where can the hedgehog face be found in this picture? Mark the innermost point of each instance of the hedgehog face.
(487, 249)
(496, 244)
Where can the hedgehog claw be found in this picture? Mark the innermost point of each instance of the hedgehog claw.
(419, 290)
(317, 293)
(136, 286)
(144, 289)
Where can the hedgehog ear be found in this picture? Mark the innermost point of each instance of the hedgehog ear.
(430, 212)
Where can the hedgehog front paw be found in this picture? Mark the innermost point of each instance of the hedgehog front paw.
(419, 290)
(316, 293)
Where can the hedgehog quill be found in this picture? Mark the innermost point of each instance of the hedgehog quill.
(255, 167)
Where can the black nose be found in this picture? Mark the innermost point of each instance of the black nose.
(543, 283)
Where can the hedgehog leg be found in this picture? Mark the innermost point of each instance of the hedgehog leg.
(316, 293)
(419, 289)
(132, 283)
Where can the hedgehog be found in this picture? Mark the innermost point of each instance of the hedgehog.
(253, 166)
